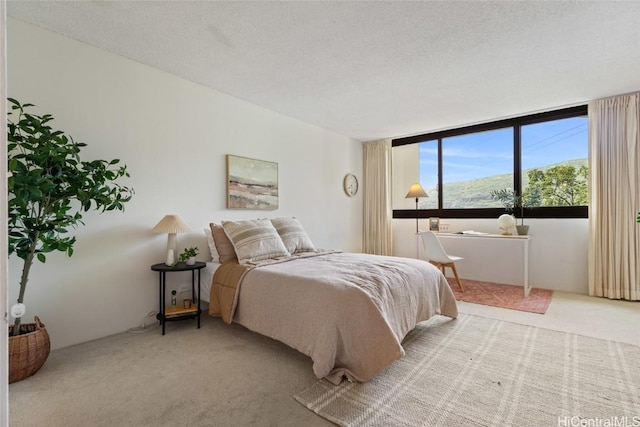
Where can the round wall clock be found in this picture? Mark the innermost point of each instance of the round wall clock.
(350, 184)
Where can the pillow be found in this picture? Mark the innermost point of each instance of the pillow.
(254, 240)
(224, 247)
(293, 236)
(212, 245)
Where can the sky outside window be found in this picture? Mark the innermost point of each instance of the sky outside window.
(483, 154)
(467, 159)
(477, 155)
(548, 143)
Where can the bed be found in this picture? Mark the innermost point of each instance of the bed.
(349, 312)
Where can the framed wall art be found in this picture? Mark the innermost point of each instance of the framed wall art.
(251, 183)
(434, 224)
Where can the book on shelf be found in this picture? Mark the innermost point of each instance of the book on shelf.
(176, 311)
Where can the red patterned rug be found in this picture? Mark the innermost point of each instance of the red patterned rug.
(505, 296)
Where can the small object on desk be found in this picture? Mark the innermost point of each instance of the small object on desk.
(186, 303)
(506, 223)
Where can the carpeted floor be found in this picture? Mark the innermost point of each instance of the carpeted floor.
(217, 376)
(224, 375)
(505, 296)
(486, 372)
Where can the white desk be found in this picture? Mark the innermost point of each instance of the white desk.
(490, 254)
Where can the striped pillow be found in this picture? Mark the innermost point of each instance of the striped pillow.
(254, 240)
(293, 236)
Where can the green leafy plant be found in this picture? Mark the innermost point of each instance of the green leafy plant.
(505, 196)
(49, 188)
(562, 185)
(511, 201)
(188, 253)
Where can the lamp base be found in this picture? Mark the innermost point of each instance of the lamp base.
(171, 249)
(171, 259)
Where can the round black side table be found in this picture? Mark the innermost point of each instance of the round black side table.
(178, 312)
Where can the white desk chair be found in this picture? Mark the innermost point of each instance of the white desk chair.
(437, 256)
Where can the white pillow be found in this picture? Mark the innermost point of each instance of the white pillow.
(293, 236)
(212, 245)
(254, 240)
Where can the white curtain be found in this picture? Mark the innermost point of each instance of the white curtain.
(614, 193)
(378, 214)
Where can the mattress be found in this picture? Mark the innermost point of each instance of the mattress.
(206, 278)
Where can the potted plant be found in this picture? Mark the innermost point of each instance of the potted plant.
(49, 187)
(522, 201)
(511, 201)
(189, 255)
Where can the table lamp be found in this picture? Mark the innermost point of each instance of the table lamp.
(171, 224)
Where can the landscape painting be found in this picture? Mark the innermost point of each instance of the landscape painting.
(251, 183)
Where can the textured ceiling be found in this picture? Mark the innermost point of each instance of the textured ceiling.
(372, 70)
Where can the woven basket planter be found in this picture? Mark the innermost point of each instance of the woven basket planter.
(28, 351)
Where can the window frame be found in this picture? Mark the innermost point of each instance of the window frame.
(516, 123)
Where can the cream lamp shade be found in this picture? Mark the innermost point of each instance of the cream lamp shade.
(171, 224)
(416, 191)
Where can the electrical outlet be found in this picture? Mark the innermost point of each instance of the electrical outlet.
(443, 227)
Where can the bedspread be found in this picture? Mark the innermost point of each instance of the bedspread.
(224, 289)
(349, 312)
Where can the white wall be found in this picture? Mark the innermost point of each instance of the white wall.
(173, 135)
(558, 252)
(4, 339)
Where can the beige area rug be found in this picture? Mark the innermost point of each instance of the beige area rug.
(476, 371)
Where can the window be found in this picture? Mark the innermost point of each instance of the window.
(473, 165)
(542, 157)
(554, 162)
